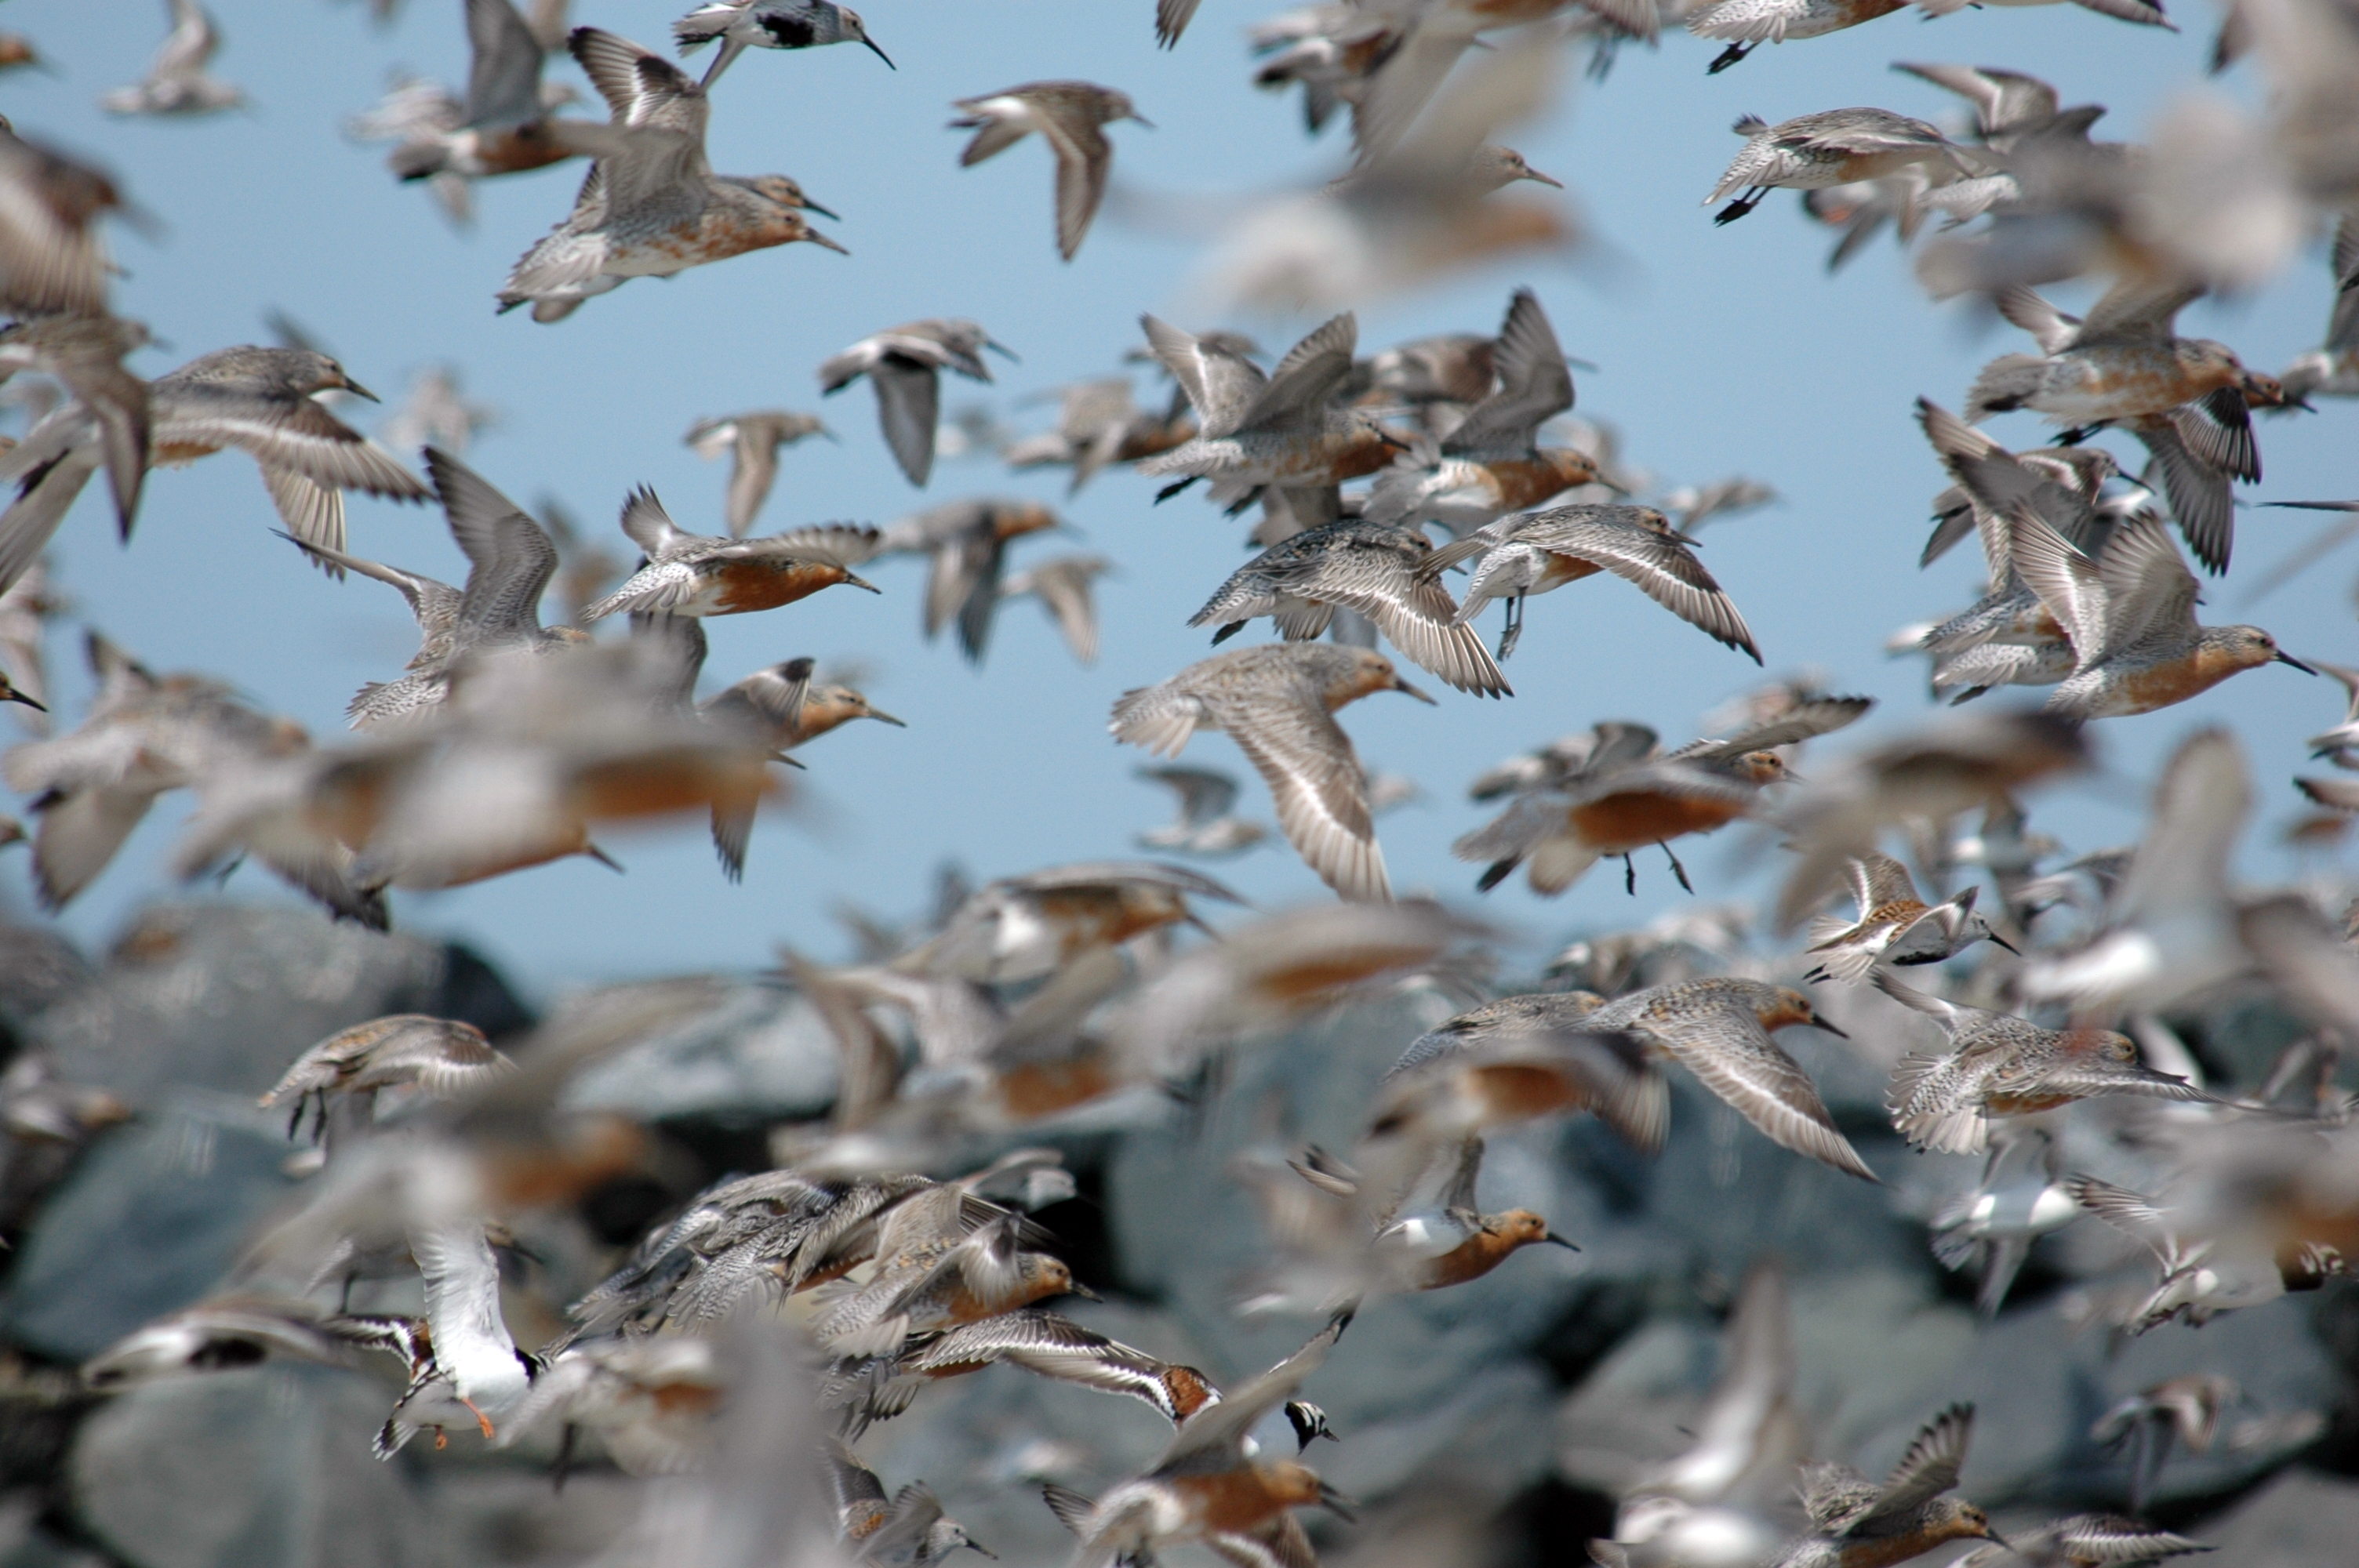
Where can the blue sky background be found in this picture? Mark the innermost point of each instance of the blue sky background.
(1720, 351)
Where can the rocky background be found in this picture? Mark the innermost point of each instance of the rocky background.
(1493, 1423)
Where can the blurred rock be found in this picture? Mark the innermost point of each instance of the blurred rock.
(152, 1217)
(517, 1520)
(758, 1054)
(220, 997)
(39, 969)
(2298, 1520)
(264, 1467)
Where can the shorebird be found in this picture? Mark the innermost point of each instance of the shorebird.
(651, 1402)
(904, 364)
(1207, 1487)
(1276, 702)
(1490, 463)
(2208, 1266)
(1719, 1029)
(1282, 431)
(1098, 423)
(1894, 925)
(502, 128)
(438, 413)
(442, 1057)
(2020, 1199)
(1372, 569)
(1853, 1520)
(752, 441)
(1999, 1064)
(709, 574)
(1070, 117)
(2187, 399)
(1062, 585)
(740, 25)
(177, 82)
(477, 1377)
(2184, 1409)
(509, 563)
(2084, 1540)
(965, 544)
(2130, 616)
(1834, 146)
(908, 1529)
(940, 1284)
(1627, 795)
(1536, 552)
(1020, 928)
(230, 1331)
(1207, 823)
(1506, 1062)
(652, 207)
(51, 262)
(2331, 370)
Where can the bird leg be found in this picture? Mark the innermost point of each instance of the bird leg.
(1730, 55)
(1677, 870)
(1742, 205)
(1168, 491)
(1514, 632)
(1629, 877)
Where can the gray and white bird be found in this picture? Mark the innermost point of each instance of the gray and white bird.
(740, 25)
(905, 364)
(752, 440)
(1207, 823)
(1894, 925)
(1070, 117)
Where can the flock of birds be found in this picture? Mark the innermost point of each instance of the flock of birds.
(506, 741)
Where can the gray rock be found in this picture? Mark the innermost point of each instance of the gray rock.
(2298, 1520)
(266, 1467)
(758, 1054)
(150, 1219)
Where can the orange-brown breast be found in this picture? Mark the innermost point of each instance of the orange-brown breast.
(1470, 1259)
(2180, 679)
(514, 150)
(1524, 482)
(666, 782)
(1032, 1089)
(1090, 917)
(1319, 977)
(2024, 1105)
(172, 454)
(1230, 1500)
(1620, 823)
(1356, 456)
(1883, 1550)
(686, 1398)
(766, 585)
(1512, 1089)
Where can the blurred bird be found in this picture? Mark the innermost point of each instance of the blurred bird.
(1062, 585)
(904, 364)
(1276, 702)
(1207, 823)
(177, 82)
(1070, 117)
(443, 1058)
(965, 544)
(1854, 1520)
(438, 414)
(752, 441)
(910, 1529)
(1835, 147)
(1991, 1226)
(708, 574)
(2084, 1540)
(1894, 925)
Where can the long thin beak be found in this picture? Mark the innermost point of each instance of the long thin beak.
(815, 237)
(862, 582)
(1143, 120)
(1408, 690)
(603, 859)
(15, 695)
(1551, 181)
(2001, 941)
(1995, 1539)
(357, 390)
(1337, 1503)
(1558, 1240)
(997, 347)
(1790, 776)
(1818, 1023)
(886, 58)
(812, 206)
(2286, 658)
(831, 435)
(887, 719)
(1082, 1291)
(987, 1552)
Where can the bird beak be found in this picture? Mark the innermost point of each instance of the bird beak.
(812, 206)
(1142, 119)
(603, 859)
(997, 347)
(1337, 1503)
(1408, 690)
(889, 61)
(861, 582)
(1547, 180)
(357, 390)
(987, 1552)
(815, 237)
(2003, 942)
(2286, 658)
(1082, 1291)
(1561, 1241)
(887, 719)
(1995, 1539)
(831, 435)
(1818, 1023)
(15, 695)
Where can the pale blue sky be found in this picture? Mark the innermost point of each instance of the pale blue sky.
(1719, 351)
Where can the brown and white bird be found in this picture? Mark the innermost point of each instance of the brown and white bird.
(1070, 117)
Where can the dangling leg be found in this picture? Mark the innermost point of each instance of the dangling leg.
(1677, 870)
(1629, 877)
(1730, 55)
(1515, 629)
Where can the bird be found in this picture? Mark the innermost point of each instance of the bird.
(1281, 431)
(965, 544)
(904, 364)
(740, 25)
(1535, 552)
(438, 414)
(2020, 1199)
(1853, 1519)
(709, 574)
(652, 207)
(2187, 399)
(1367, 568)
(1276, 702)
(1022, 927)
(1894, 925)
(1071, 117)
(1097, 424)
(502, 125)
(2130, 616)
(1999, 1064)
(177, 82)
(908, 1527)
(2084, 1540)
(752, 441)
(2186, 1410)
(1834, 146)
(1062, 585)
(443, 1058)
(1207, 823)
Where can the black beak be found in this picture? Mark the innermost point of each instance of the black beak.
(1143, 120)
(1561, 1241)
(997, 347)
(13, 695)
(1403, 687)
(884, 717)
(2003, 942)
(357, 390)
(1818, 1023)
(812, 206)
(889, 61)
(2286, 658)
(1082, 1291)
(861, 582)
(1337, 1503)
